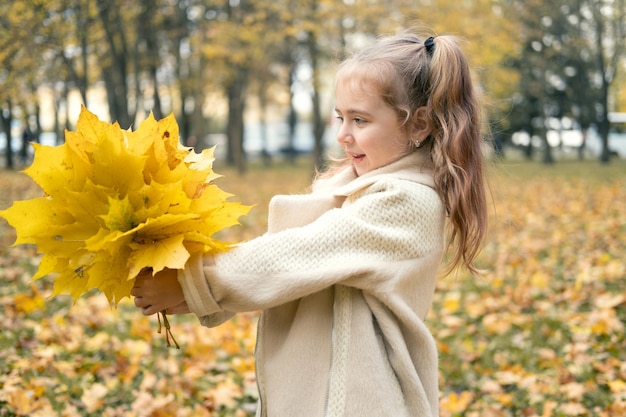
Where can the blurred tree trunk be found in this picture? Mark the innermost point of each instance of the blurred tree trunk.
(583, 146)
(83, 24)
(609, 30)
(20, 62)
(579, 84)
(197, 63)
(265, 155)
(147, 35)
(292, 115)
(76, 64)
(6, 117)
(603, 117)
(543, 106)
(115, 68)
(192, 36)
(182, 65)
(236, 91)
(319, 124)
(236, 84)
(35, 114)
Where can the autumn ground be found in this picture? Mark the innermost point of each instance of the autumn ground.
(542, 334)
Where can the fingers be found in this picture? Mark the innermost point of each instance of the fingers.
(139, 289)
(144, 285)
(156, 293)
(150, 310)
(139, 282)
(140, 302)
(145, 306)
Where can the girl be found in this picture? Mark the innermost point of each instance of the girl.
(345, 275)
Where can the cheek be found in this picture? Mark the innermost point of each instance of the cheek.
(401, 144)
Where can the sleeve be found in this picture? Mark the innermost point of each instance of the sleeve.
(359, 245)
(198, 294)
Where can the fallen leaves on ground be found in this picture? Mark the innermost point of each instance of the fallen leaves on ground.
(542, 334)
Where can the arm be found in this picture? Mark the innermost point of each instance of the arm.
(359, 245)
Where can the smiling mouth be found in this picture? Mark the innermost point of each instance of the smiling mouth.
(357, 157)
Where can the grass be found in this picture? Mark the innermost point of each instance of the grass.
(541, 334)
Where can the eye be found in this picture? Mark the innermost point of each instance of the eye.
(359, 121)
(339, 118)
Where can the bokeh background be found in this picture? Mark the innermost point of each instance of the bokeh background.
(541, 334)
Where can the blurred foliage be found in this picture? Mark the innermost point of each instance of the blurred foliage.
(569, 64)
(542, 334)
(207, 60)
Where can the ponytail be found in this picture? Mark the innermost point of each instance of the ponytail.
(457, 151)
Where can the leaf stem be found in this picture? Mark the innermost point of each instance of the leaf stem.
(168, 330)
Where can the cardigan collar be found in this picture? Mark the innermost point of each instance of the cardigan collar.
(415, 167)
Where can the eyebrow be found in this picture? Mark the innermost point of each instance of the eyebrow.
(353, 111)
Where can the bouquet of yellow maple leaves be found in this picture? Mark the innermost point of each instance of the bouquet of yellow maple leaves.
(118, 201)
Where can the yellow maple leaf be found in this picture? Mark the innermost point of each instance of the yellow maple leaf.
(116, 202)
(30, 301)
(457, 402)
(617, 386)
(168, 252)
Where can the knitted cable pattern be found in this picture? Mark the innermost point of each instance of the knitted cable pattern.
(342, 315)
(391, 221)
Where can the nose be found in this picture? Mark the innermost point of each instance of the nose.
(344, 135)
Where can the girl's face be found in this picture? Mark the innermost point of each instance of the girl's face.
(370, 133)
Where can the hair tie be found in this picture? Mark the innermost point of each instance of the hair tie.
(430, 45)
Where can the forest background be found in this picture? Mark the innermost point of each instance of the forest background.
(541, 335)
(234, 70)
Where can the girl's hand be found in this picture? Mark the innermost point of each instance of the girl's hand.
(181, 308)
(159, 292)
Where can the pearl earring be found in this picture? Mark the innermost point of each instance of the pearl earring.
(417, 143)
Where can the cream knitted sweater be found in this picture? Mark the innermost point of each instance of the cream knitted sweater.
(345, 277)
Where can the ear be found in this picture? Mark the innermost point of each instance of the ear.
(420, 125)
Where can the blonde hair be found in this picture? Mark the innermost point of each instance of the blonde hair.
(408, 75)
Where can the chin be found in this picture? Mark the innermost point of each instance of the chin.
(359, 170)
